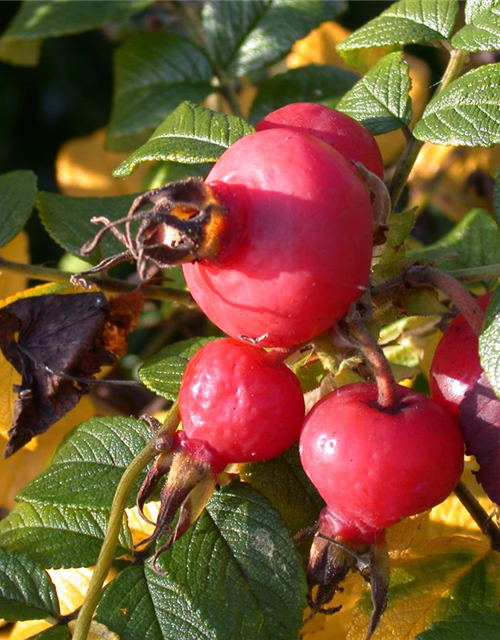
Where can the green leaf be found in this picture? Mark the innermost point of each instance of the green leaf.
(482, 31)
(26, 591)
(380, 100)
(285, 484)
(162, 173)
(477, 625)
(154, 72)
(58, 537)
(191, 134)
(314, 83)
(20, 43)
(163, 372)
(489, 342)
(466, 113)
(67, 220)
(473, 242)
(405, 22)
(54, 633)
(234, 574)
(441, 578)
(93, 458)
(244, 36)
(473, 8)
(389, 258)
(17, 199)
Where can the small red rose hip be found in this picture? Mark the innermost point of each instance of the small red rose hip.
(237, 403)
(240, 403)
(340, 131)
(373, 467)
(456, 367)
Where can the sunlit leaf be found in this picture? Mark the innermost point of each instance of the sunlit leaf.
(482, 31)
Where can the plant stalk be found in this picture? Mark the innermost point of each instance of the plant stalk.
(410, 154)
(113, 285)
(479, 515)
(108, 549)
(388, 397)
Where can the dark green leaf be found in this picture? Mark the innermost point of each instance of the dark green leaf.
(88, 465)
(475, 625)
(17, 199)
(405, 22)
(489, 342)
(163, 372)
(26, 591)
(191, 134)
(243, 36)
(54, 633)
(466, 113)
(20, 44)
(473, 242)
(380, 100)
(283, 482)
(313, 83)
(234, 574)
(482, 31)
(154, 72)
(67, 219)
(58, 537)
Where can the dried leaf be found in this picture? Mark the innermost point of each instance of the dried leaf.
(47, 338)
(16, 250)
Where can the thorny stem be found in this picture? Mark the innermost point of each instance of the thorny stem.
(410, 154)
(108, 549)
(112, 285)
(387, 388)
(479, 515)
(192, 25)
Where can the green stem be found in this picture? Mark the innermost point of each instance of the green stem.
(479, 515)
(108, 549)
(478, 274)
(410, 154)
(112, 285)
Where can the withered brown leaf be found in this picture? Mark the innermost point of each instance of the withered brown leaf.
(55, 343)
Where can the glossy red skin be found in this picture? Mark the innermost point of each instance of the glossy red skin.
(301, 251)
(237, 401)
(456, 367)
(373, 468)
(342, 132)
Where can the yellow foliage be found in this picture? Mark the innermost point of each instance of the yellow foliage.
(16, 250)
(97, 631)
(84, 168)
(442, 177)
(139, 528)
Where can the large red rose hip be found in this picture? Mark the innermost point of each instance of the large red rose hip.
(373, 467)
(296, 249)
(340, 131)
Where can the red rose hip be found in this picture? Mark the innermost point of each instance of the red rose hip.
(374, 467)
(340, 131)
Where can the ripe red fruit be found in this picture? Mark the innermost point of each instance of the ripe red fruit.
(241, 404)
(342, 132)
(296, 247)
(456, 367)
(374, 467)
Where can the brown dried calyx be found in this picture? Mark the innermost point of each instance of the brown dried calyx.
(185, 223)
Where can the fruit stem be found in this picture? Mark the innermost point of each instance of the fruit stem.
(410, 154)
(451, 287)
(479, 515)
(388, 396)
(113, 285)
(108, 549)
